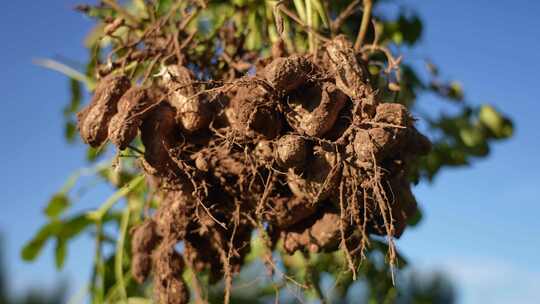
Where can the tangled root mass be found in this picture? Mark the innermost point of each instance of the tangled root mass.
(303, 149)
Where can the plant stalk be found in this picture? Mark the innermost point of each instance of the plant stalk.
(118, 259)
(309, 23)
(366, 17)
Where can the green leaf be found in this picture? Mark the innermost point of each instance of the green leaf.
(257, 249)
(60, 253)
(452, 90)
(98, 214)
(471, 137)
(66, 70)
(119, 257)
(134, 300)
(70, 131)
(500, 126)
(411, 28)
(92, 154)
(75, 89)
(397, 37)
(239, 2)
(58, 204)
(33, 248)
(63, 231)
(415, 219)
(98, 12)
(72, 227)
(254, 37)
(163, 6)
(455, 91)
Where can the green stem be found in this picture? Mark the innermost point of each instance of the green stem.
(114, 198)
(122, 11)
(300, 8)
(118, 259)
(272, 30)
(290, 43)
(366, 18)
(321, 10)
(99, 286)
(309, 22)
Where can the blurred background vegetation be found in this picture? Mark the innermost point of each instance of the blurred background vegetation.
(35, 295)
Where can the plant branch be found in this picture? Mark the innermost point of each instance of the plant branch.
(122, 11)
(309, 20)
(118, 259)
(346, 13)
(323, 13)
(98, 282)
(98, 214)
(300, 8)
(308, 29)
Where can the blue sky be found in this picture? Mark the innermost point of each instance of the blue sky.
(481, 223)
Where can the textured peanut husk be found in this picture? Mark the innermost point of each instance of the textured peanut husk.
(319, 179)
(133, 107)
(351, 74)
(169, 287)
(159, 133)
(393, 114)
(193, 111)
(321, 233)
(175, 212)
(287, 211)
(291, 151)
(141, 266)
(315, 108)
(93, 120)
(351, 77)
(373, 145)
(145, 237)
(264, 151)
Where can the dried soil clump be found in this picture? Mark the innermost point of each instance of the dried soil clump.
(303, 149)
(288, 73)
(253, 112)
